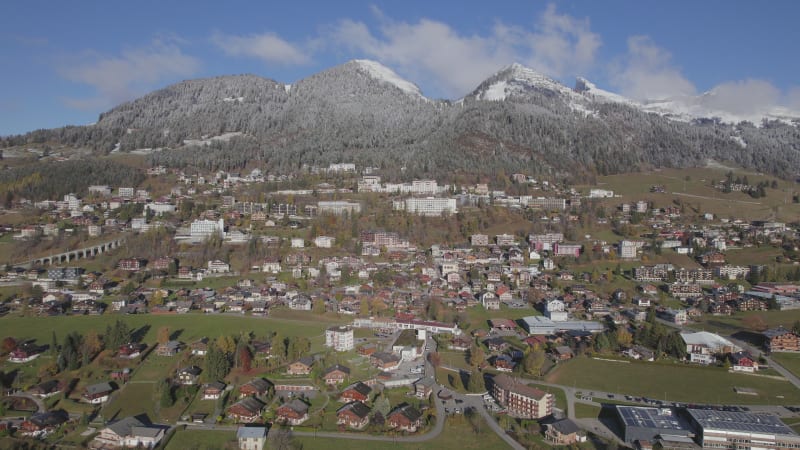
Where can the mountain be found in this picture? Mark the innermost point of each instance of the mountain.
(517, 120)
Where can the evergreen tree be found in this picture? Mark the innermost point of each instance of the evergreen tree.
(476, 382)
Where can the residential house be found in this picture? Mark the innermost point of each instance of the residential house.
(564, 432)
(781, 340)
(97, 393)
(213, 390)
(169, 348)
(336, 374)
(46, 389)
(246, 410)
(294, 412)
(353, 415)
(356, 392)
(257, 387)
(405, 418)
(188, 375)
(41, 424)
(424, 388)
(199, 347)
(385, 360)
(251, 438)
(744, 362)
(129, 432)
(301, 367)
(504, 363)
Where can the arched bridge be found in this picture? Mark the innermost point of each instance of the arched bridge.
(72, 255)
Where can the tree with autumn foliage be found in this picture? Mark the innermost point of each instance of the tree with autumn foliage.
(245, 358)
(163, 335)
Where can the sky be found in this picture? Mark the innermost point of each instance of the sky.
(64, 63)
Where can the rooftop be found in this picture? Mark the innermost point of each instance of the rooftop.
(740, 421)
(652, 418)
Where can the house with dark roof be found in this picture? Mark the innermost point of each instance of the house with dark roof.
(405, 418)
(294, 412)
(246, 410)
(97, 393)
(213, 390)
(189, 375)
(46, 389)
(42, 424)
(356, 392)
(129, 432)
(256, 387)
(169, 348)
(301, 367)
(353, 415)
(336, 374)
(781, 340)
(564, 432)
(385, 360)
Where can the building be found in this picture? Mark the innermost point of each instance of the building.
(545, 241)
(703, 347)
(301, 367)
(479, 240)
(213, 391)
(548, 203)
(781, 340)
(627, 249)
(404, 418)
(294, 412)
(324, 241)
(204, 229)
(340, 338)
(556, 310)
(353, 415)
(428, 206)
(356, 392)
(131, 264)
(338, 207)
(97, 393)
(246, 410)
(521, 400)
(336, 374)
(726, 429)
(256, 387)
(564, 432)
(600, 193)
(127, 433)
(646, 424)
(561, 249)
(251, 438)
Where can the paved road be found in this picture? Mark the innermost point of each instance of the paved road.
(40, 406)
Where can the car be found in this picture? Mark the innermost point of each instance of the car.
(610, 395)
(459, 401)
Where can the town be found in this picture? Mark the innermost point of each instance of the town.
(347, 304)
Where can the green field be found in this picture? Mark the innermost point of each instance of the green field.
(678, 382)
(731, 324)
(584, 411)
(191, 326)
(790, 361)
(133, 399)
(202, 440)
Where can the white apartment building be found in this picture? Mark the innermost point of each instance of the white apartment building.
(338, 207)
(203, 229)
(339, 338)
(324, 241)
(429, 206)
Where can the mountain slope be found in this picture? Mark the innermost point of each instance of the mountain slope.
(363, 112)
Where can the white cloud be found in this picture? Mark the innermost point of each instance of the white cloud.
(456, 63)
(744, 97)
(119, 78)
(646, 72)
(268, 47)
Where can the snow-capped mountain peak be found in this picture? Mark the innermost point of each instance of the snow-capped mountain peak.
(590, 90)
(386, 75)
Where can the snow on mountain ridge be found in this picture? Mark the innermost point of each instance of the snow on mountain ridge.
(384, 74)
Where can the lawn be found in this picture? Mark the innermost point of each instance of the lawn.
(202, 440)
(731, 324)
(584, 411)
(790, 361)
(457, 434)
(133, 399)
(191, 326)
(478, 317)
(675, 382)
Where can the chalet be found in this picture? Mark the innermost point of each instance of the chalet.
(199, 347)
(246, 410)
(502, 325)
(294, 412)
(189, 375)
(743, 362)
(164, 263)
(563, 353)
(353, 415)
(25, 353)
(504, 363)
(261, 349)
(385, 360)
(564, 432)
(213, 391)
(45, 389)
(496, 344)
(367, 349)
(169, 348)
(257, 387)
(781, 340)
(639, 352)
(356, 392)
(129, 432)
(460, 343)
(301, 367)
(42, 424)
(97, 393)
(336, 374)
(405, 418)
(130, 350)
(131, 264)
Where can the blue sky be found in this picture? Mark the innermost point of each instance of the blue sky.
(66, 62)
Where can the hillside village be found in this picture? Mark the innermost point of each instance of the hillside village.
(331, 300)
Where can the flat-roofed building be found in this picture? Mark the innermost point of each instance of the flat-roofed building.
(646, 424)
(726, 429)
